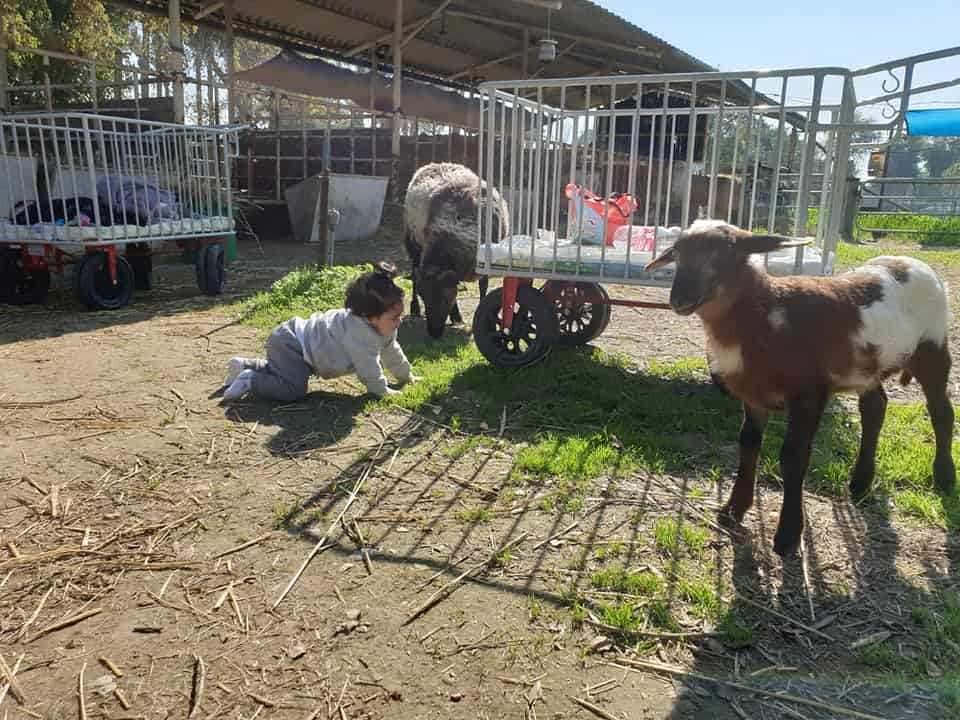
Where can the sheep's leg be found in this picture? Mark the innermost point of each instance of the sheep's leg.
(413, 252)
(751, 438)
(803, 418)
(873, 409)
(483, 282)
(455, 317)
(930, 365)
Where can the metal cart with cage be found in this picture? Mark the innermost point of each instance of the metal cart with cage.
(105, 194)
(600, 174)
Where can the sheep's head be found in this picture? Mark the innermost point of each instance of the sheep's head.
(711, 256)
(437, 287)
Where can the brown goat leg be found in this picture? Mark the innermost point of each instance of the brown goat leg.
(873, 409)
(930, 365)
(751, 438)
(803, 417)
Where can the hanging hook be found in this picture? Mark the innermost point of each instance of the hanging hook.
(895, 79)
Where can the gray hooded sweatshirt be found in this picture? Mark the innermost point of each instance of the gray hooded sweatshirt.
(337, 343)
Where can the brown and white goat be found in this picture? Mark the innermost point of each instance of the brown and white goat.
(789, 343)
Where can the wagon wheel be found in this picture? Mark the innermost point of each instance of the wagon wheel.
(20, 286)
(141, 260)
(533, 331)
(579, 319)
(97, 291)
(211, 274)
(77, 270)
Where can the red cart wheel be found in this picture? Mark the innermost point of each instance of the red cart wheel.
(582, 310)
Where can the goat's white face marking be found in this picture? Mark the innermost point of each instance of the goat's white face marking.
(777, 318)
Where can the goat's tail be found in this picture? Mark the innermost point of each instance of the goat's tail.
(905, 378)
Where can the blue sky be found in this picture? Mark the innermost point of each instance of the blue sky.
(752, 34)
(755, 34)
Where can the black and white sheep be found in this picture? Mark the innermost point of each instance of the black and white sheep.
(440, 222)
(790, 343)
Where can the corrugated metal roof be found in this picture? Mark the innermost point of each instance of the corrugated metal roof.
(473, 42)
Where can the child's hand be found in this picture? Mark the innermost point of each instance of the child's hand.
(414, 379)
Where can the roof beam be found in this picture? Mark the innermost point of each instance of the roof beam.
(412, 29)
(548, 4)
(466, 15)
(208, 9)
(488, 63)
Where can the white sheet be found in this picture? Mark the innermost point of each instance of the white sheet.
(156, 232)
(613, 260)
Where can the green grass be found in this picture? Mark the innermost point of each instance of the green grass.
(670, 537)
(609, 550)
(734, 633)
(302, 292)
(474, 515)
(850, 255)
(935, 645)
(583, 414)
(925, 228)
(703, 600)
(630, 583)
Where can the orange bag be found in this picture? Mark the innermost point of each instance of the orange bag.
(617, 209)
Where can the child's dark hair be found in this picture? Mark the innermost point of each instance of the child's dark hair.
(373, 293)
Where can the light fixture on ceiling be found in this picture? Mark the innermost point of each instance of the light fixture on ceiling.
(548, 46)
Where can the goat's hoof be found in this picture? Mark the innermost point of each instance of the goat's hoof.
(945, 476)
(786, 543)
(859, 489)
(730, 517)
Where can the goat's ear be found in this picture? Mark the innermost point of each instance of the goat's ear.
(665, 258)
(750, 244)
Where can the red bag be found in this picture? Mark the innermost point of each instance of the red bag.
(617, 209)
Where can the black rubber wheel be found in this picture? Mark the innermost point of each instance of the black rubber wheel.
(533, 332)
(97, 291)
(75, 275)
(141, 260)
(578, 321)
(19, 286)
(716, 379)
(211, 272)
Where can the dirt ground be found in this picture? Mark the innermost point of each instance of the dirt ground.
(147, 533)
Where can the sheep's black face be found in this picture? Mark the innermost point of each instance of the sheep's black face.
(438, 290)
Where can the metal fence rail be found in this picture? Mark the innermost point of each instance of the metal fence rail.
(893, 199)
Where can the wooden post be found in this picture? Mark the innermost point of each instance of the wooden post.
(231, 63)
(212, 94)
(275, 122)
(526, 53)
(118, 90)
(4, 77)
(323, 208)
(48, 91)
(143, 63)
(175, 61)
(198, 71)
(397, 98)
